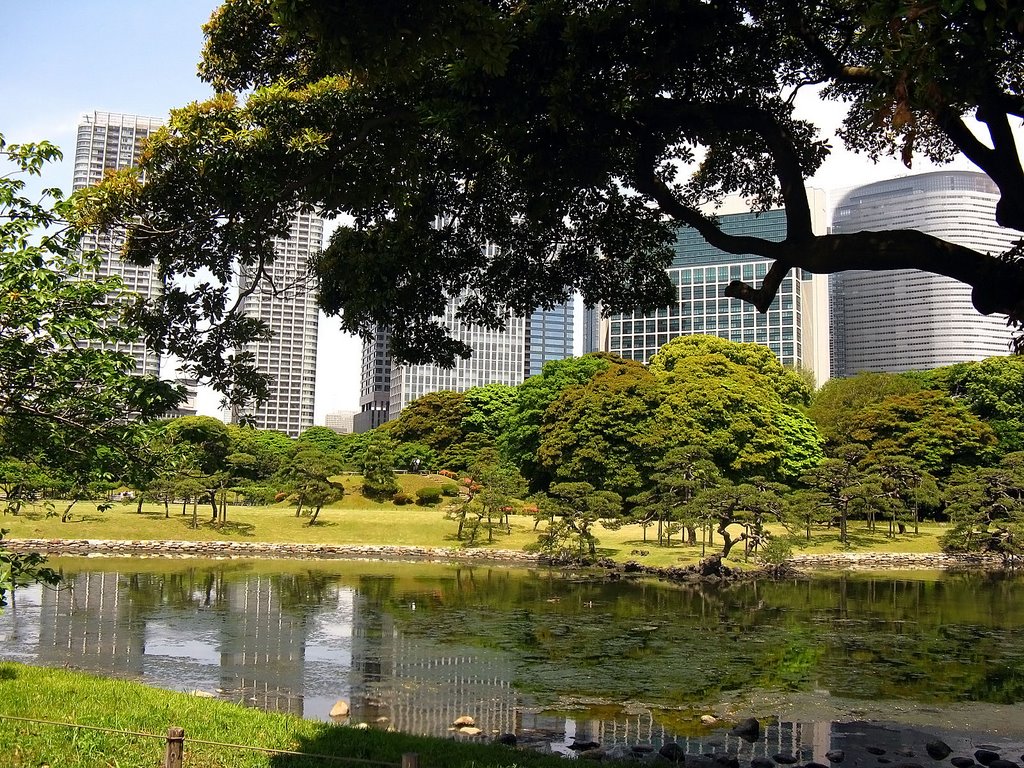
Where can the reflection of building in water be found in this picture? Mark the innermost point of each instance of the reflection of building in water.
(262, 648)
(419, 686)
(92, 622)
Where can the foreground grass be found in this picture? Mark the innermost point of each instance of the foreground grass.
(71, 697)
(357, 520)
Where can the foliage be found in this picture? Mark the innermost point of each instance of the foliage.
(20, 569)
(310, 474)
(379, 466)
(572, 510)
(749, 505)
(986, 509)
(65, 384)
(433, 420)
(928, 428)
(554, 131)
(449, 489)
(839, 401)
(428, 495)
(601, 433)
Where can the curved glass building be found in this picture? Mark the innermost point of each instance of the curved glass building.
(904, 320)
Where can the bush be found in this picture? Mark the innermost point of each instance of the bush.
(775, 551)
(449, 489)
(402, 499)
(429, 494)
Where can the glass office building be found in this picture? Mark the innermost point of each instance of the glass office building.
(794, 327)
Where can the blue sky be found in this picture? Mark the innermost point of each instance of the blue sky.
(67, 58)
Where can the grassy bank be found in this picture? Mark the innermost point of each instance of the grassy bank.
(357, 520)
(71, 697)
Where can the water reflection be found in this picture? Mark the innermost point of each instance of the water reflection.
(534, 653)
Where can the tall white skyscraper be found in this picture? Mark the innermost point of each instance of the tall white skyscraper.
(109, 141)
(900, 320)
(286, 302)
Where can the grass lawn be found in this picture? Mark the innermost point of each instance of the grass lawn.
(358, 520)
(71, 697)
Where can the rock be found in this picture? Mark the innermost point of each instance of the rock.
(814, 765)
(986, 756)
(464, 720)
(620, 752)
(938, 750)
(582, 746)
(727, 761)
(749, 730)
(202, 694)
(835, 755)
(592, 754)
(962, 762)
(508, 739)
(340, 709)
(875, 751)
(762, 762)
(708, 719)
(908, 765)
(1001, 763)
(642, 749)
(904, 752)
(672, 751)
(361, 726)
(784, 758)
(469, 730)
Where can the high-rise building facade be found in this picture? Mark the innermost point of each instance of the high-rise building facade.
(286, 302)
(499, 357)
(374, 383)
(506, 356)
(795, 327)
(549, 336)
(109, 141)
(899, 320)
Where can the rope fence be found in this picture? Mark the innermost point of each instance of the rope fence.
(174, 752)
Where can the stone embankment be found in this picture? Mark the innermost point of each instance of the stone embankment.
(249, 549)
(874, 561)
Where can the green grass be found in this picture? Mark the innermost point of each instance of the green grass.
(358, 520)
(71, 697)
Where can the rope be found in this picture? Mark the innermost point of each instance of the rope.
(265, 750)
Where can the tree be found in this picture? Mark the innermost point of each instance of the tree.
(556, 131)
(379, 466)
(65, 385)
(522, 438)
(601, 433)
(573, 510)
(488, 490)
(68, 399)
(840, 401)
(680, 475)
(748, 505)
(310, 474)
(929, 428)
(986, 509)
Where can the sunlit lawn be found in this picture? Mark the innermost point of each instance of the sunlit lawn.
(357, 520)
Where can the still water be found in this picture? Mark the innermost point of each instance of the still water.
(415, 645)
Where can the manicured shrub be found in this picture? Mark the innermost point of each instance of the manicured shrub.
(429, 494)
(402, 499)
(449, 489)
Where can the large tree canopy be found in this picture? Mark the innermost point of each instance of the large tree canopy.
(574, 137)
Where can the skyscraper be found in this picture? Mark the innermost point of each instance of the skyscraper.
(505, 356)
(899, 320)
(499, 357)
(374, 384)
(110, 141)
(795, 327)
(286, 302)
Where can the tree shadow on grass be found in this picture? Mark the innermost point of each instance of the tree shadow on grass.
(229, 528)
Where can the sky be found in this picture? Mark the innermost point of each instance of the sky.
(67, 58)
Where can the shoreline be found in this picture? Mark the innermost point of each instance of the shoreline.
(799, 563)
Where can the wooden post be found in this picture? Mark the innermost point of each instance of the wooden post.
(410, 760)
(175, 747)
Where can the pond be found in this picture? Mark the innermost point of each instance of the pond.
(552, 656)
